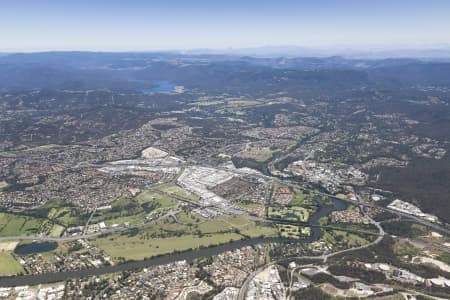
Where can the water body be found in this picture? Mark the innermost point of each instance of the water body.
(324, 210)
(189, 255)
(161, 87)
(35, 248)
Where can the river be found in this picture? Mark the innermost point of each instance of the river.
(189, 255)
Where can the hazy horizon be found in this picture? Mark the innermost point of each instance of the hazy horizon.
(432, 53)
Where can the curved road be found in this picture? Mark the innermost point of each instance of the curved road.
(51, 277)
(188, 255)
(324, 258)
(289, 183)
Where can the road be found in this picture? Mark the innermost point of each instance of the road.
(422, 244)
(89, 235)
(324, 258)
(289, 183)
(244, 287)
(189, 256)
(171, 213)
(354, 202)
(381, 234)
(242, 291)
(86, 226)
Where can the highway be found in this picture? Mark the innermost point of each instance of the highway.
(289, 183)
(286, 182)
(242, 291)
(324, 258)
(89, 235)
(171, 213)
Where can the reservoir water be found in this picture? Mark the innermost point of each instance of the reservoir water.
(161, 87)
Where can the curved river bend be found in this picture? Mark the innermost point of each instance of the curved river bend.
(189, 255)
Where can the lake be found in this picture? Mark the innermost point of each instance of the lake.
(25, 249)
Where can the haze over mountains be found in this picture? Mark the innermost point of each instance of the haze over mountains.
(369, 52)
(118, 71)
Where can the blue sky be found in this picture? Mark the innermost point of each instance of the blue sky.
(118, 25)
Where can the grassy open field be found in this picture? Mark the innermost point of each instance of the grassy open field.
(298, 199)
(59, 212)
(197, 224)
(63, 215)
(242, 225)
(304, 199)
(133, 219)
(249, 205)
(9, 265)
(341, 196)
(258, 230)
(15, 225)
(162, 200)
(177, 191)
(190, 218)
(134, 210)
(350, 239)
(265, 155)
(293, 213)
(260, 155)
(135, 248)
(69, 216)
(131, 210)
(169, 236)
(24, 225)
(122, 210)
(56, 230)
(255, 209)
(3, 185)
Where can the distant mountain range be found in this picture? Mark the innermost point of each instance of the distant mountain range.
(130, 71)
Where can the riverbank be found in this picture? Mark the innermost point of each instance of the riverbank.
(188, 256)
